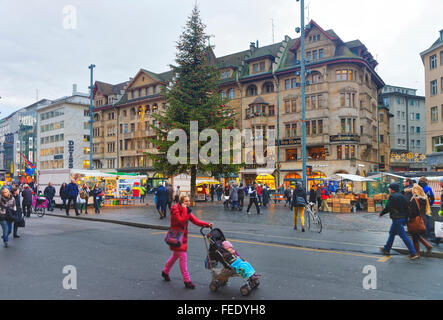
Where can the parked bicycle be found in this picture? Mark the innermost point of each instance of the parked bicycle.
(39, 205)
(313, 220)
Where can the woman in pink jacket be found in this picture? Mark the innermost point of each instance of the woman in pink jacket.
(180, 217)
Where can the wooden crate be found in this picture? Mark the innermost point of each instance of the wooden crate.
(345, 201)
(336, 209)
(371, 209)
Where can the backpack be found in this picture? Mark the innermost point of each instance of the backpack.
(83, 194)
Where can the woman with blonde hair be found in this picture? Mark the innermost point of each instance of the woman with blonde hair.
(419, 206)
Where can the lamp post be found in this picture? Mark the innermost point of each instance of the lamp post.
(91, 120)
(303, 90)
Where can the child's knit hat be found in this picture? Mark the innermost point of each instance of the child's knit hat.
(226, 245)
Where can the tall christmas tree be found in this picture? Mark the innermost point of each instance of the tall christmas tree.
(192, 96)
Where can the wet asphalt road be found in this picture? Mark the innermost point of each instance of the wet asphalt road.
(118, 262)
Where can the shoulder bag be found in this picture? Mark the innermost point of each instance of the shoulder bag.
(416, 225)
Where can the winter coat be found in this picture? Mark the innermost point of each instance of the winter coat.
(5, 205)
(266, 195)
(414, 210)
(71, 190)
(397, 206)
(429, 193)
(161, 194)
(27, 197)
(234, 194)
(63, 192)
(288, 194)
(324, 193)
(179, 221)
(169, 193)
(241, 193)
(18, 208)
(49, 192)
(312, 196)
(299, 197)
(95, 192)
(252, 192)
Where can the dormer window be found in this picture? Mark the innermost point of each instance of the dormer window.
(258, 67)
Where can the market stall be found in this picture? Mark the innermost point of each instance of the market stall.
(350, 195)
(267, 179)
(122, 189)
(203, 187)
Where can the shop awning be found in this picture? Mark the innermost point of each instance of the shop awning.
(258, 171)
(206, 181)
(379, 175)
(92, 173)
(352, 177)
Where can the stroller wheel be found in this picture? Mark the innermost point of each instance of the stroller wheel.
(224, 283)
(244, 290)
(213, 286)
(254, 284)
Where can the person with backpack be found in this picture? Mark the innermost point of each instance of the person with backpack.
(97, 194)
(27, 200)
(298, 204)
(233, 197)
(49, 193)
(84, 198)
(253, 199)
(398, 209)
(423, 182)
(288, 195)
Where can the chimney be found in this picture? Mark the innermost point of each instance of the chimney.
(252, 46)
(441, 35)
(257, 44)
(74, 89)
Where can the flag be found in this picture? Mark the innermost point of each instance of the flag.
(29, 163)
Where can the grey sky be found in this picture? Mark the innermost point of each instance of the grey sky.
(120, 37)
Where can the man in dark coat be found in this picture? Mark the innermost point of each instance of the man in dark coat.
(18, 213)
(212, 191)
(169, 196)
(398, 208)
(241, 197)
(161, 201)
(71, 194)
(253, 198)
(63, 196)
(27, 200)
(49, 194)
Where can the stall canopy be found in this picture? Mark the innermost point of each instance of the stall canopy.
(351, 177)
(128, 175)
(199, 182)
(93, 173)
(380, 175)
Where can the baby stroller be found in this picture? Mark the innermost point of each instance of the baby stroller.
(227, 203)
(39, 205)
(217, 263)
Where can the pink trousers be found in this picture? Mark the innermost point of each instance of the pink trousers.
(181, 255)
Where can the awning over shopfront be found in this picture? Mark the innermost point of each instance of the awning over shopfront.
(258, 171)
(351, 177)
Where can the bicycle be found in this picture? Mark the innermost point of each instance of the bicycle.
(313, 218)
(39, 208)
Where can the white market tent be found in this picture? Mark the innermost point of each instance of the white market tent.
(351, 177)
(383, 174)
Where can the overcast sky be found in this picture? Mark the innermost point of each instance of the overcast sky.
(122, 36)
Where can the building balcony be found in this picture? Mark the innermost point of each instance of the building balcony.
(317, 87)
(365, 113)
(366, 140)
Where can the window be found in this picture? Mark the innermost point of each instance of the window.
(433, 61)
(314, 127)
(382, 138)
(437, 144)
(398, 128)
(413, 143)
(223, 75)
(441, 58)
(228, 74)
(412, 130)
(294, 129)
(418, 143)
(411, 116)
(231, 93)
(262, 66)
(343, 125)
(268, 87)
(287, 106)
(308, 128)
(339, 152)
(347, 100)
(271, 111)
(308, 56)
(288, 130)
(291, 154)
(287, 84)
(293, 83)
(434, 114)
(417, 116)
(251, 91)
(255, 67)
(294, 105)
(320, 126)
(381, 117)
(398, 114)
(314, 55)
(321, 53)
(403, 115)
(403, 128)
(433, 87)
(316, 78)
(223, 95)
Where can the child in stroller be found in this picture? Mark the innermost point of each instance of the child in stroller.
(232, 265)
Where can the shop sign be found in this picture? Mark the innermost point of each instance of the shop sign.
(58, 157)
(344, 138)
(407, 157)
(71, 154)
(289, 142)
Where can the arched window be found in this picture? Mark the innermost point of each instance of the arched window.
(251, 90)
(96, 117)
(316, 77)
(148, 109)
(154, 108)
(268, 87)
(231, 93)
(223, 94)
(132, 112)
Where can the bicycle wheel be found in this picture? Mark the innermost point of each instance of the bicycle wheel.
(308, 218)
(40, 212)
(316, 223)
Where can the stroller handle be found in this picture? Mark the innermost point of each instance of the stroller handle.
(201, 230)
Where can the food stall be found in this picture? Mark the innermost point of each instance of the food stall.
(350, 195)
(267, 179)
(203, 187)
(122, 189)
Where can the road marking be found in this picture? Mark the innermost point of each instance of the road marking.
(383, 259)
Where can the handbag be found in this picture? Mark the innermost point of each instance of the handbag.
(416, 224)
(21, 223)
(174, 238)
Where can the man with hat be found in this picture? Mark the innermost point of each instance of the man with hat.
(397, 207)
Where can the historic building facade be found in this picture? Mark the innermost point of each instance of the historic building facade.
(263, 84)
(433, 62)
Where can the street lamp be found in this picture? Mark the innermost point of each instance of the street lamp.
(91, 120)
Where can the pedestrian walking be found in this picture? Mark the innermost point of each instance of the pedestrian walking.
(440, 213)
(241, 197)
(325, 195)
(169, 196)
(181, 214)
(18, 214)
(81, 202)
(142, 194)
(418, 207)
(398, 208)
(253, 198)
(63, 196)
(423, 182)
(298, 204)
(84, 194)
(212, 191)
(49, 193)
(161, 201)
(177, 194)
(97, 194)
(71, 194)
(233, 196)
(259, 195)
(27, 200)
(407, 188)
(7, 203)
(312, 197)
(219, 192)
(318, 197)
(288, 195)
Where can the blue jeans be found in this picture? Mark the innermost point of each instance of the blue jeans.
(5, 228)
(397, 229)
(49, 204)
(428, 226)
